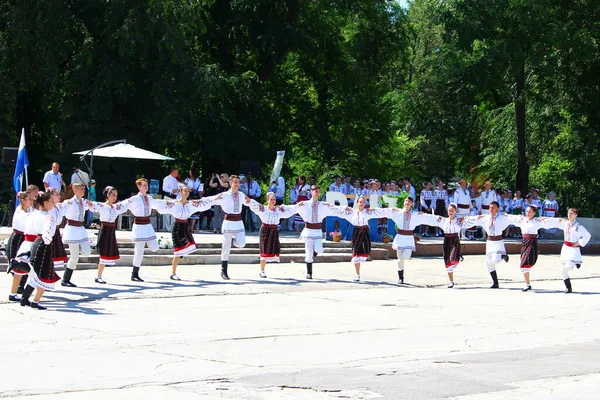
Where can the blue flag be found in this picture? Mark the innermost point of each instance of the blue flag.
(21, 165)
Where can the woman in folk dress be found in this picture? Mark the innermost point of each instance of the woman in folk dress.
(16, 238)
(361, 240)
(181, 234)
(107, 241)
(43, 276)
(270, 215)
(451, 227)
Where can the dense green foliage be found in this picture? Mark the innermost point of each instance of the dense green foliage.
(506, 90)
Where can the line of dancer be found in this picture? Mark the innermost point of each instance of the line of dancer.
(35, 246)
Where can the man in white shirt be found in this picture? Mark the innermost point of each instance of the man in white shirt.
(80, 176)
(53, 178)
(170, 188)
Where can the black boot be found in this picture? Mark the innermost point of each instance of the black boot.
(66, 280)
(308, 270)
(26, 294)
(224, 265)
(569, 289)
(495, 279)
(315, 254)
(37, 306)
(22, 284)
(401, 277)
(135, 275)
(505, 257)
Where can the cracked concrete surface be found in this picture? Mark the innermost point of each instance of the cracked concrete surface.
(287, 338)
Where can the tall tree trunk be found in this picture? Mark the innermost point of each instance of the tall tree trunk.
(523, 166)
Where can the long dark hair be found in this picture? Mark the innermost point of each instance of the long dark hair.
(194, 173)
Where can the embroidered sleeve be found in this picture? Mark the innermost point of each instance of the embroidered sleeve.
(202, 204)
(287, 211)
(584, 235)
(49, 229)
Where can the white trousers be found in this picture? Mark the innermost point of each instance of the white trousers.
(310, 246)
(567, 266)
(75, 249)
(138, 251)
(402, 256)
(238, 239)
(492, 260)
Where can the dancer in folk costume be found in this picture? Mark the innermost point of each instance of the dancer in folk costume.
(361, 240)
(529, 226)
(58, 213)
(107, 240)
(16, 239)
(313, 212)
(142, 232)
(42, 277)
(493, 225)
(233, 230)
(75, 235)
(576, 236)
(440, 204)
(452, 226)
(269, 233)
(404, 243)
(181, 233)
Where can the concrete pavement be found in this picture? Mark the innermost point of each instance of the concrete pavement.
(288, 338)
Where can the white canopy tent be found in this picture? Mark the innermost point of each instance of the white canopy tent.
(119, 149)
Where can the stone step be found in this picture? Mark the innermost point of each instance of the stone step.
(251, 257)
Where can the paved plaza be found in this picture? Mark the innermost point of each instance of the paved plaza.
(288, 338)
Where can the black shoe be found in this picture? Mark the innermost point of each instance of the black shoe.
(135, 275)
(494, 276)
(37, 306)
(401, 277)
(66, 280)
(505, 257)
(315, 254)
(568, 289)
(309, 270)
(224, 266)
(526, 288)
(12, 297)
(26, 293)
(578, 266)
(308, 276)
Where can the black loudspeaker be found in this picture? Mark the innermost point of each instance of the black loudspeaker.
(250, 166)
(9, 155)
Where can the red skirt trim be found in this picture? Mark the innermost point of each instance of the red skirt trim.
(452, 264)
(110, 257)
(180, 248)
(360, 255)
(65, 259)
(269, 255)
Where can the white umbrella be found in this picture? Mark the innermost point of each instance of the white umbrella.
(119, 150)
(124, 150)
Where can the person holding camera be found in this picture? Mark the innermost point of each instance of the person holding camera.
(221, 184)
